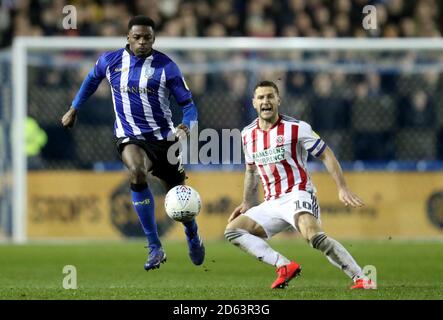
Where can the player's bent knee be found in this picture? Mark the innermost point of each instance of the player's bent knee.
(309, 233)
(238, 223)
(138, 175)
(308, 225)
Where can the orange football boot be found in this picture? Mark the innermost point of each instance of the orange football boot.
(363, 283)
(285, 274)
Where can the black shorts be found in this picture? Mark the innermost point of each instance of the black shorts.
(157, 151)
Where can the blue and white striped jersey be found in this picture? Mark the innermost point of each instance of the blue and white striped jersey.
(141, 90)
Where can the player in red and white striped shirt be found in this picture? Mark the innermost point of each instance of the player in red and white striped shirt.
(282, 163)
(276, 148)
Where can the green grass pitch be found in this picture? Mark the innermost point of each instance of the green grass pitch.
(114, 270)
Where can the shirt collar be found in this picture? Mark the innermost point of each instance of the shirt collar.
(273, 126)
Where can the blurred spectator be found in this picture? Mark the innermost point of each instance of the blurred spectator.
(190, 25)
(408, 28)
(255, 16)
(172, 28)
(329, 112)
(297, 83)
(216, 30)
(328, 32)
(373, 140)
(342, 7)
(223, 12)
(290, 31)
(168, 8)
(304, 24)
(357, 111)
(151, 8)
(342, 25)
(361, 91)
(341, 18)
(431, 82)
(342, 85)
(391, 31)
(418, 111)
(374, 84)
(322, 17)
(110, 29)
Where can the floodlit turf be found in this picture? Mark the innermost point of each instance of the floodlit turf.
(406, 270)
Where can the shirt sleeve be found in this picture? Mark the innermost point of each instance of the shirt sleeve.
(190, 114)
(100, 67)
(176, 83)
(248, 157)
(310, 140)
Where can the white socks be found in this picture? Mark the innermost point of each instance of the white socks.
(337, 255)
(259, 248)
(256, 246)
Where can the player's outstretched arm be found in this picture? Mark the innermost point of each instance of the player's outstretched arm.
(176, 83)
(250, 192)
(182, 131)
(344, 194)
(88, 87)
(68, 119)
(190, 115)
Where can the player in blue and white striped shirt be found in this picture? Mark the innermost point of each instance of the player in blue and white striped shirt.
(142, 81)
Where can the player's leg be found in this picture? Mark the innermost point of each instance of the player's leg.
(171, 175)
(336, 253)
(193, 239)
(138, 164)
(248, 234)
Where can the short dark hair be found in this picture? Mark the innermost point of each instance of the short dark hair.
(141, 21)
(266, 83)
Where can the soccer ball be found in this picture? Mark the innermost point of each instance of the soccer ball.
(182, 203)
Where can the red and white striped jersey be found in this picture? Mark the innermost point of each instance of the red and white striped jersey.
(281, 154)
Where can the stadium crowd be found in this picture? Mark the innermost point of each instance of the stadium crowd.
(200, 18)
(363, 115)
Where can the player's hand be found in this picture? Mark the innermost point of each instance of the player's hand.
(69, 117)
(182, 131)
(350, 199)
(238, 211)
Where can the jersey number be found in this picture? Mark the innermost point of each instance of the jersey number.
(304, 204)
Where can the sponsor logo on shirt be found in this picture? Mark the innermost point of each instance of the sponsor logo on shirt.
(121, 69)
(134, 89)
(280, 140)
(271, 155)
(149, 72)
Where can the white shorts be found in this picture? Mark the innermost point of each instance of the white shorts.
(277, 215)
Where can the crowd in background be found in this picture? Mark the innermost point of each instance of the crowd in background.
(203, 18)
(362, 115)
(367, 115)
